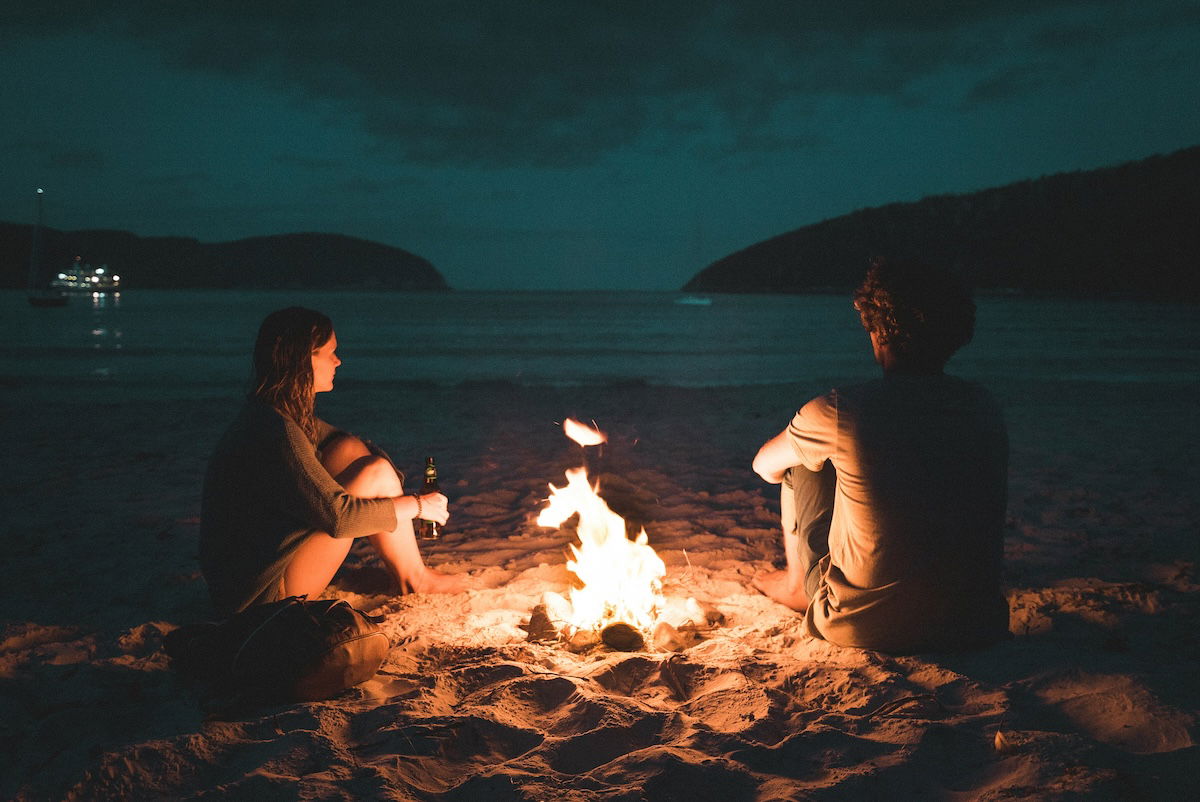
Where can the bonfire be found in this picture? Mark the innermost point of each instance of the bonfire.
(619, 596)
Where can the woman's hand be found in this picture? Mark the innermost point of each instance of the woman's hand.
(433, 507)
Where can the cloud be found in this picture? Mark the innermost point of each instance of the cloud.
(175, 188)
(361, 185)
(82, 159)
(176, 180)
(1010, 82)
(557, 84)
(307, 162)
(56, 156)
(757, 143)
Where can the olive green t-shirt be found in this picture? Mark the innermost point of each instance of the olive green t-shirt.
(265, 491)
(916, 540)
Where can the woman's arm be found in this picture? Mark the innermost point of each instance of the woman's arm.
(316, 497)
(427, 506)
(366, 472)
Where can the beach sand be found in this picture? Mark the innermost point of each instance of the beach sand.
(1095, 696)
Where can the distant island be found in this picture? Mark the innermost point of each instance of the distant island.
(1131, 230)
(285, 261)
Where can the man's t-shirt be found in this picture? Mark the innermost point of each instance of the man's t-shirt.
(916, 541)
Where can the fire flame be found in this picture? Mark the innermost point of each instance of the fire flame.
(621, 578)
(582, 433)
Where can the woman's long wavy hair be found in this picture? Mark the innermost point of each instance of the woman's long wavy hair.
(283, 376)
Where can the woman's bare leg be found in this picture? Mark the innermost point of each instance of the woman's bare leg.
(400, 554)
(314, 563)
(318, 558)
(365, 475)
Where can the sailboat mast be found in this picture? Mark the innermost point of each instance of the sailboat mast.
(35, 248)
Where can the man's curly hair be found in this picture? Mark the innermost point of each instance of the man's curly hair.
(924, 313)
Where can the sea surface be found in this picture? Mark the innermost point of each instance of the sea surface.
(168, 344)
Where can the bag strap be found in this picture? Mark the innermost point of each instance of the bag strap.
(246, 640)
(325, 605)
(302, 602)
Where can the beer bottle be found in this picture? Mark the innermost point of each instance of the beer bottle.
(426, 529)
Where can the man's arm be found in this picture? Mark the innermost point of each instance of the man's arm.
(775, 457)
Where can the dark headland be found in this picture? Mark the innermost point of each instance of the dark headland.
(1129, 231)
(286, 261)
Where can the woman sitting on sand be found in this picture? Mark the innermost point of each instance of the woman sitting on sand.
(285, 493)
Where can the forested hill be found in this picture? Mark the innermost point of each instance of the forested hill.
(286, 261)
(1131, 230)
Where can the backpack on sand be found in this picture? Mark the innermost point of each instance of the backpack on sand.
(290, 650)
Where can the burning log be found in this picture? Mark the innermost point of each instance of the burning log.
(622, 637)
(540, 627)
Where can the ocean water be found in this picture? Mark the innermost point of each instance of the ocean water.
(197, 343)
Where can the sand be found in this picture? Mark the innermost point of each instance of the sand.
(1096, 695)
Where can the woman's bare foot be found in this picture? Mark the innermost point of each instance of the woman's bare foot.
(431, 581)
(778, 585)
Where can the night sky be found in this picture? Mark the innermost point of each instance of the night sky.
(569, 145)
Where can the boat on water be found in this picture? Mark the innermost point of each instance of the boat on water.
(694, 300)
(81, 277)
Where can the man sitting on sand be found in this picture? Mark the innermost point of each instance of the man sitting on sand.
(894, 491)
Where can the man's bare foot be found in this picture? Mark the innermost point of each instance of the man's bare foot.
(778, 585)
(431, 581)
